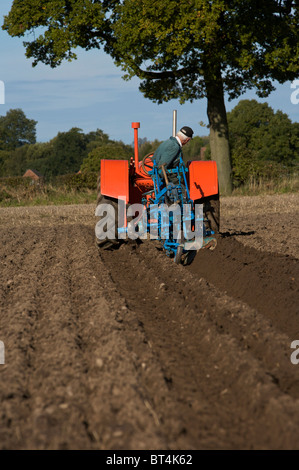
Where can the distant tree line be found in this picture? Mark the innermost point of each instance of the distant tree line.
(66, 153)
(263, 144)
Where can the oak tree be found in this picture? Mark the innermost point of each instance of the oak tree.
(189, 49)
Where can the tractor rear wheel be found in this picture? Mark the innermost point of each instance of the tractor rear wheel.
(211, 209)
(109, 220)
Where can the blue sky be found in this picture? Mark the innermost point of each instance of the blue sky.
(89, 93)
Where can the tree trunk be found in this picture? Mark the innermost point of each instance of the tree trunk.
(219, 143)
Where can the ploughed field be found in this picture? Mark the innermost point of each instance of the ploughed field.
(126, 350)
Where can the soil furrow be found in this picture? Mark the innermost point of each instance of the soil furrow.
(125, 350)
(18, 316)
(268, 282)
(118, 415)
(176, 322)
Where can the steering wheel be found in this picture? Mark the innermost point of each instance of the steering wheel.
(145, 163)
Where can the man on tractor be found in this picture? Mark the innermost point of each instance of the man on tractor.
(169, 152)
(167, 157)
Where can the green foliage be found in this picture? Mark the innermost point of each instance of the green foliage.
(264, 144)
(40, 195)
(270, 135)
(191, 151)
(36, 156)
(177, 48)
(16, 130)
(65, 189)
(280, 185)
(4, 195)
(69, 149)
(13, 182)
(246, 166)
(96, 139)
(174, 47)
(39, 157)
(15, 161)
(4, 155)
(64, 154)
(12, 185)
(146, 147)
(116, 150)
(78, 182)
(187, 50)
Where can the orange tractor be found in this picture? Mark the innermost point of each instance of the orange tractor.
(126, 187)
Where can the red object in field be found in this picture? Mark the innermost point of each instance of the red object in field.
(203, 179)
(115, 179)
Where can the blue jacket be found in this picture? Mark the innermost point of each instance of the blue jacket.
(168, 153)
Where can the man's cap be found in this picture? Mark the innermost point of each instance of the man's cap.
(187, 131)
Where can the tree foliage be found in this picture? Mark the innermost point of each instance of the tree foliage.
(171, 45)
(191, 151)
(111, 150)
(264, 143)
(64, 154)
(188, 50)
(270, 135)
(96, 139)
(147, 146)
(69, 149)
(16, 130)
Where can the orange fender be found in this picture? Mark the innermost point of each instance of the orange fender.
(203, 179)
(115, 179)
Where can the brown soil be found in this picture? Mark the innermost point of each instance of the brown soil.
(125, 350)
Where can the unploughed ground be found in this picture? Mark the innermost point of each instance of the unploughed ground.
(126, 350)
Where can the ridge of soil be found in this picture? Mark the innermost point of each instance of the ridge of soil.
(123, 349)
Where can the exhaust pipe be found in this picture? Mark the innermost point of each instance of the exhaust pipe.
(174, 123)
(135, 126)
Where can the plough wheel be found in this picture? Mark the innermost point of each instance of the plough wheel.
(179, 251)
